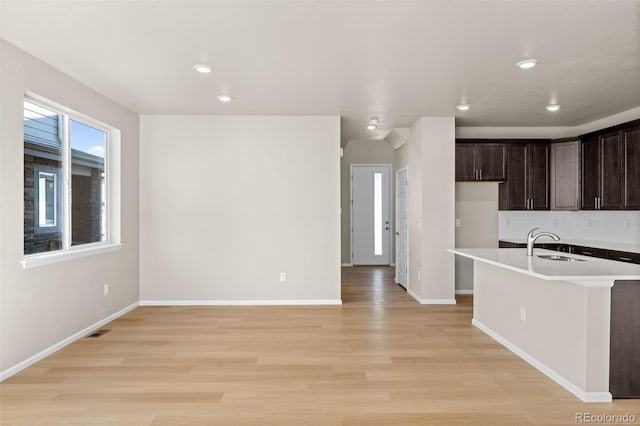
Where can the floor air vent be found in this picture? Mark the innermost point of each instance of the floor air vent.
(98, 333)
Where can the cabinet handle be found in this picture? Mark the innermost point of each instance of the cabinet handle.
(599, 203)
(595, 203)
(480, 172)
(532, 204)
(475, 174)
(628, 259)
(588, 253)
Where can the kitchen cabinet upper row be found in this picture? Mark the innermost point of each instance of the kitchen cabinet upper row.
(597, 171)
(610, 170)
(480, 161)
(527, 183)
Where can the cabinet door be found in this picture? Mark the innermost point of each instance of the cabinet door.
(491, 161)
(631, 176)
(465, 162)
(611, 169)
(565, 176)
(539, 176)
(590, 172)
(517, 180)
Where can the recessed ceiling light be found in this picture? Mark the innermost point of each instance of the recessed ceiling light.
(552, 108)
(527, 64)
(463, 107)
(373, 123)
(224, 98)
(203, 68)
(371, 127)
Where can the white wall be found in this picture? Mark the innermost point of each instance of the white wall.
(362, 152)
(44, 305)
(612, 226)
(229, 202)
(477, 210)
(430, 155)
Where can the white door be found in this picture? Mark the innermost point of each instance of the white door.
(370, 221)
(402, 230)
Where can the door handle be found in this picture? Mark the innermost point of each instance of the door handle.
(386, 228)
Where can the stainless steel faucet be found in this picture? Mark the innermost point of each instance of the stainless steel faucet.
(531, 239)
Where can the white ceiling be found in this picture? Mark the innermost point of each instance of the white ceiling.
(393, 59)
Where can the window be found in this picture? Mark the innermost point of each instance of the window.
(65, 179)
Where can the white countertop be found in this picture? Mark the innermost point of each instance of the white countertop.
(607, 245)
(593, 272)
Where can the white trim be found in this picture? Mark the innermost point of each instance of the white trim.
(35, 260)
(430, 301)
(347, 265)
(240, 302)
(464, 291)
(571, 387)
(61, 344)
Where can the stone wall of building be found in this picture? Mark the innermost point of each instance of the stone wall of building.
(36, 242)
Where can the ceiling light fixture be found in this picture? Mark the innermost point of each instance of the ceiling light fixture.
(373, 123)
(463, 107)
(552, 107)
(224, 98)
(526, 64)
(203, 68)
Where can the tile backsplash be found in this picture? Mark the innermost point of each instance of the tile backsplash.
(617, 226)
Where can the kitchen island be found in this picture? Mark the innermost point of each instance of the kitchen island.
(555, 314)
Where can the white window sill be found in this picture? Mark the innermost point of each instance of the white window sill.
(35, 260)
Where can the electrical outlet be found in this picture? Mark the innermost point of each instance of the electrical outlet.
(523, 314)
(458, 223)
(283, 276)
(106, 289)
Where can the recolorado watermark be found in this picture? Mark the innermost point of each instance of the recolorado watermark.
(605, 418)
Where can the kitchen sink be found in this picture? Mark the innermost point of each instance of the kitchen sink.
(559, 258)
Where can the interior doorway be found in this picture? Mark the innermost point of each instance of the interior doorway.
(402, 229)
(370, 214)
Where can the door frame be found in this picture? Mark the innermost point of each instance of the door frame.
(391, 225)
(403, 169)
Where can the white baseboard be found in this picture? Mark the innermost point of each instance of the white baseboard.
(464, 291)
(347, 265)
(240, 302)
(553, 375)
(431, 301)
(61, 344)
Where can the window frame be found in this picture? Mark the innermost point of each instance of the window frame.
(37, 226)
(112, 237)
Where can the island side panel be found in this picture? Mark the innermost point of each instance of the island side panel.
(559, 327)
(624, 372)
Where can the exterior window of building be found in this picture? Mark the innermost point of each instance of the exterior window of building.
(47, 195)
(65, 179)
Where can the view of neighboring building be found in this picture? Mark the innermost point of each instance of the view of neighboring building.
(43, 182)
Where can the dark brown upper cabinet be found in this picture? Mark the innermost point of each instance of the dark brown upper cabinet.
(611, 170)
(481, 161)
(590, 173)
(631, 177)
(527, 183)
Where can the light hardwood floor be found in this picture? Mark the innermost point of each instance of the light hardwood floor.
(379, 359)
